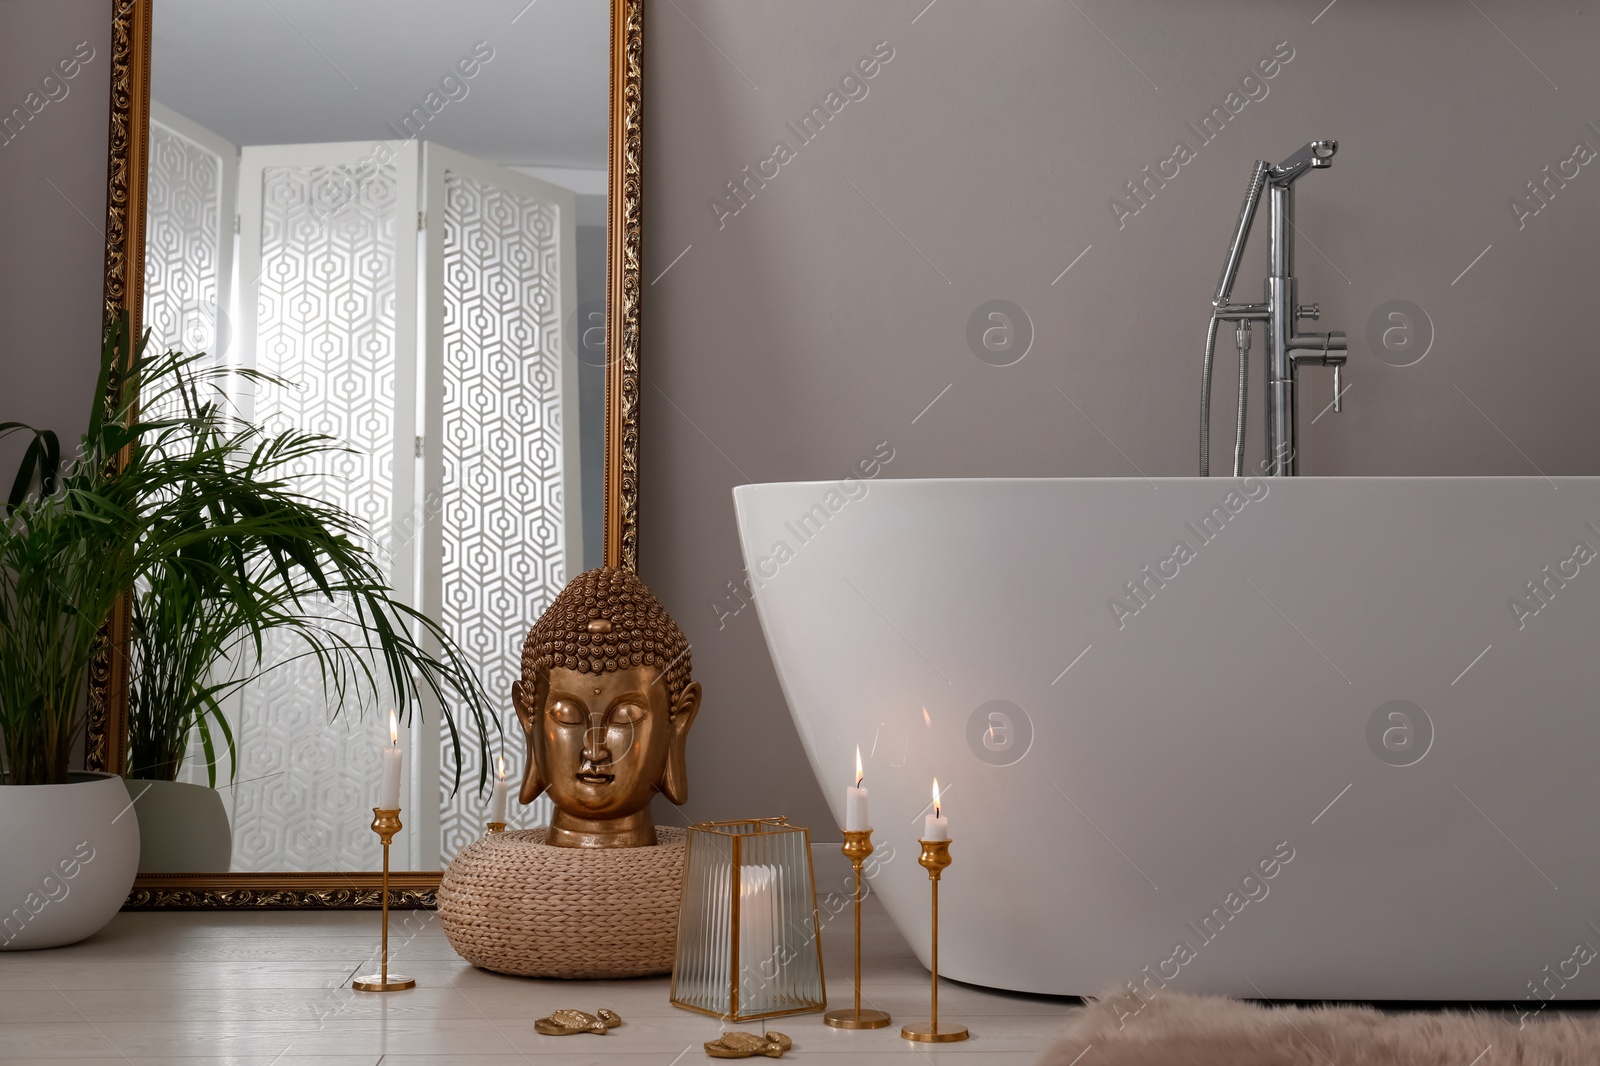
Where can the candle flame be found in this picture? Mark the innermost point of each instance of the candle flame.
(500, 764)
(394, 729)
(925, 719)
(936, 797)
(859, 775)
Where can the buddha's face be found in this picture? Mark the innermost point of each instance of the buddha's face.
(603, 744)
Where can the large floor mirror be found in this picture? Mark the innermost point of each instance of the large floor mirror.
(411, 220)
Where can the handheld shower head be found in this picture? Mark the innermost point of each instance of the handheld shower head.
(1241, 232)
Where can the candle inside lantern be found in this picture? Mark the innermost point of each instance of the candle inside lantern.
(389, 790)
(855, 801)
(759, 960)
(497, 801)
(936, 826)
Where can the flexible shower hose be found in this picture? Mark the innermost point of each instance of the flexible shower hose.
(1205, 399)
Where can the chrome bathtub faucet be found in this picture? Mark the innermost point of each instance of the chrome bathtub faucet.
(1287, 348)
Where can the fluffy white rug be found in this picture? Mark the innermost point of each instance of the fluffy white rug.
(1173, 1029)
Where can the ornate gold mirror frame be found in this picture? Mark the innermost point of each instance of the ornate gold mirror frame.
(105, 744)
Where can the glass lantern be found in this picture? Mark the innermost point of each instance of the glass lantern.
(748, 943)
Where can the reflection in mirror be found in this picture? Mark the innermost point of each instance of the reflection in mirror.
(401, 214)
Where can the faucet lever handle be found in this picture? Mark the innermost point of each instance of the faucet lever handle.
(1338, 370)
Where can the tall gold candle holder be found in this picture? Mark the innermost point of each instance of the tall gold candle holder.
(934, 858)
(386, 823)
(857, 846)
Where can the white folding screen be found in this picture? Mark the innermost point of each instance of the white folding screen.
(191, 191)
(435, 353)
(188, 249)
(328, 258)
(501, 390)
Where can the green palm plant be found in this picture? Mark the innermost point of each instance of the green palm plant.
(201, 518)
(178, 648)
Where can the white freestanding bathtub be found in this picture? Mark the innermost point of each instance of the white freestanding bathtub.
(1315, 738)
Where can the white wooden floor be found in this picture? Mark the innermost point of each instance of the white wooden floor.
(273, 988)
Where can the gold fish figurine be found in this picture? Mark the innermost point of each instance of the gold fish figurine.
(566, 1022)
(741, 1045)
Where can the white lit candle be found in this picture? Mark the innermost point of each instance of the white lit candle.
(936, 826)
(855, 801)
(759, 960)
(389, 792)
(497, 801)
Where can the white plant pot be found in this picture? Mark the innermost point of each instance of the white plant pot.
(183, 828)
(68, 856)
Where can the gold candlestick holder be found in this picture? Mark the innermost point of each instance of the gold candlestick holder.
(857, 846)
(386, 823)
(497, 827)
(934, 858)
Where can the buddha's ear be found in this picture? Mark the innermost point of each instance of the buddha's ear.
(675, 778)
(529, 700)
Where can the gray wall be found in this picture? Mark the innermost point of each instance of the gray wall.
(52, 213)
(810, 326)
(829, 311)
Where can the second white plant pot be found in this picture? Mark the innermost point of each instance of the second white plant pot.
(183, 828)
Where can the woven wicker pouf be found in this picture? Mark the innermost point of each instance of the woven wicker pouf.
(513, 904)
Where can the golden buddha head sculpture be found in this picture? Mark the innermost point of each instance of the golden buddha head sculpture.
(605, 703)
